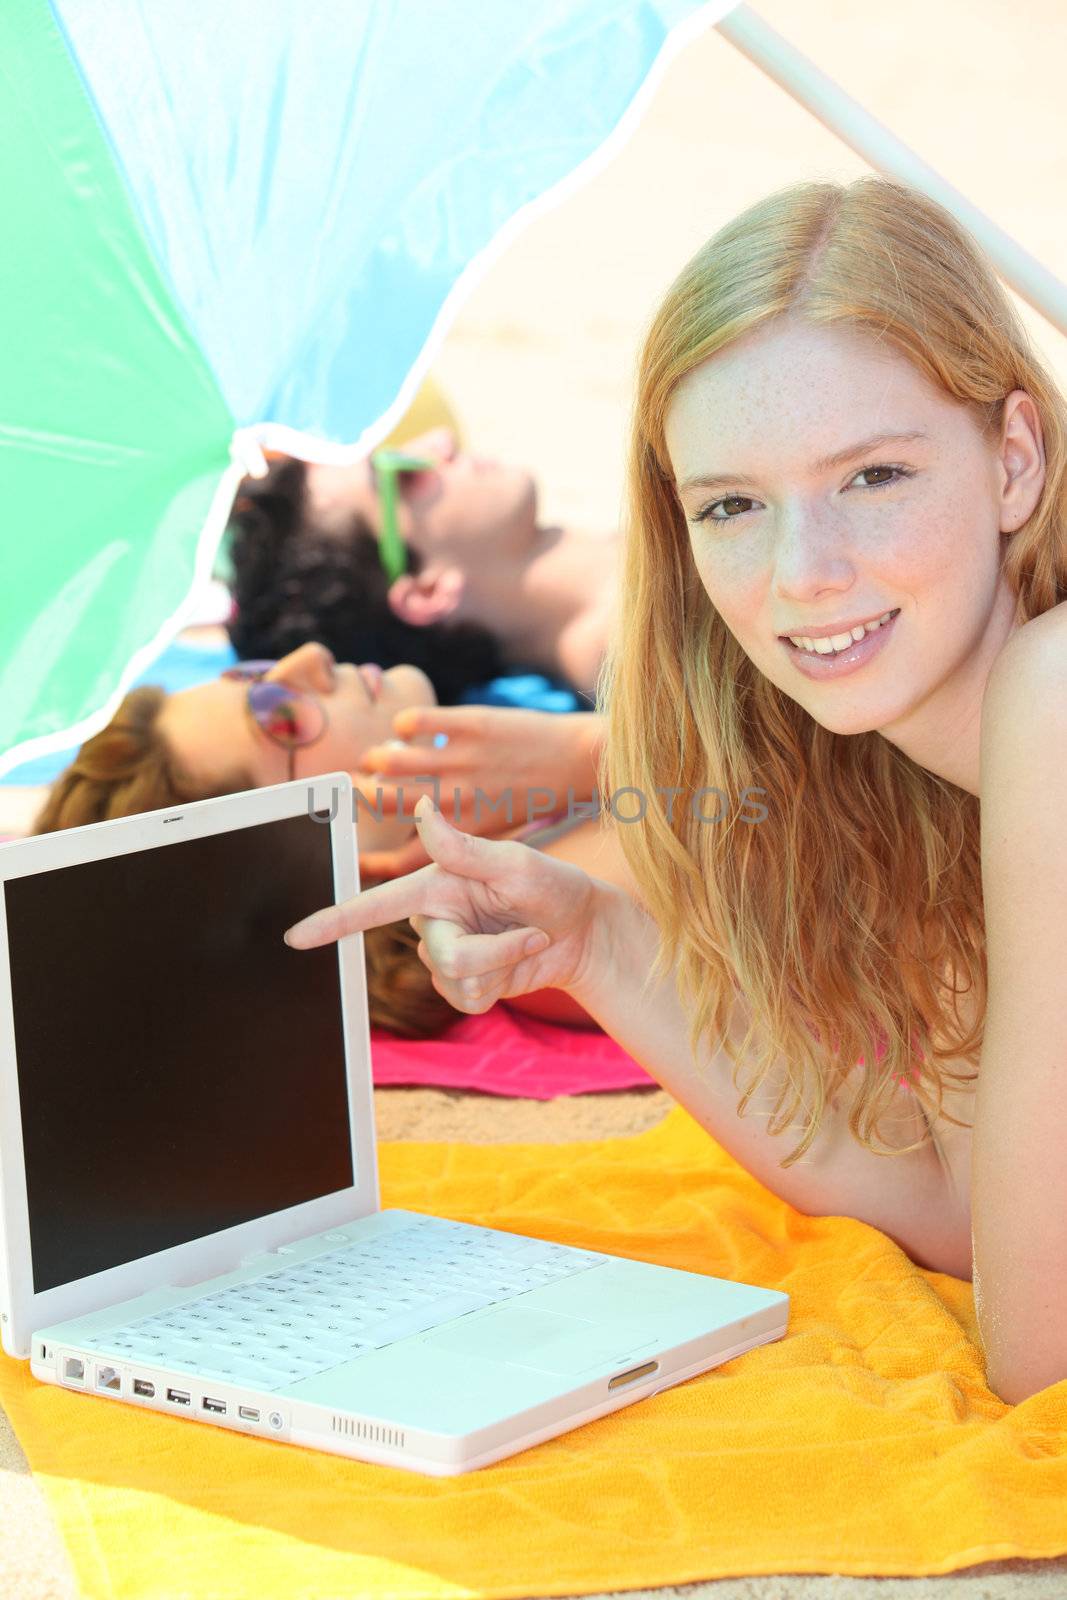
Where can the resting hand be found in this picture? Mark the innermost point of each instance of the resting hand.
(533, 757)
(494, 918)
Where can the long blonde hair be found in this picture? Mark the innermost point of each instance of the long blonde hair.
(847, 915)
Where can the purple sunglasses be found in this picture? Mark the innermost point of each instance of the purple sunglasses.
(289, 717)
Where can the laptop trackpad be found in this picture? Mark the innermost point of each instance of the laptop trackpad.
(546, 1340)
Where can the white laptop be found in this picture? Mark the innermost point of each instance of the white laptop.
(189, 1211)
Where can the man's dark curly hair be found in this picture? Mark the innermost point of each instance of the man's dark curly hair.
(294, 581)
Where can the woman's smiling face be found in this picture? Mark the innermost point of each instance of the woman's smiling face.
(845, 486)
(213, 737)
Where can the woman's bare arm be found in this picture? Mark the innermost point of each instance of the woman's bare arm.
(908, 1197)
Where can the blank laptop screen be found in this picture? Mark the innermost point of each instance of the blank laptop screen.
(180, 1069)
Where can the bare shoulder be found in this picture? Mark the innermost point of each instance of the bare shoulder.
(1024, 718)
(1035, 655)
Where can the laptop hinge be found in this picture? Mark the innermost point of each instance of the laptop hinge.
(194, 1282)
(254, 1255)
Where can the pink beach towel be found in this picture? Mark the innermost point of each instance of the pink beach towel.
(502, 1052)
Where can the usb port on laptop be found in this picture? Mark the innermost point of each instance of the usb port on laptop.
(217, 1406)
(178, 1397)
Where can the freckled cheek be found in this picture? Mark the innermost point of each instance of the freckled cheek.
(943, 545)
(921, 555)
(735, 584)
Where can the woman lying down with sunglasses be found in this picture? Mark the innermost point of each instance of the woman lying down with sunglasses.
(262, 723)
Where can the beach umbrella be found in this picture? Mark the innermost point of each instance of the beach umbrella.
(233, 227)
(230, 228)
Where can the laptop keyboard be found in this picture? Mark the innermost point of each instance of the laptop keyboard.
(313, 1315)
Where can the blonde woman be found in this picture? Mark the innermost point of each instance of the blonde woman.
(840, 427)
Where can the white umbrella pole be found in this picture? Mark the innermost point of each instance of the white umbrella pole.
(879, 146)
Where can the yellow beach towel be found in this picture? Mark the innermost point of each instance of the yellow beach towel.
(864, 1442)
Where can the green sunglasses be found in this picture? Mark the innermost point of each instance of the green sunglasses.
(386, 467)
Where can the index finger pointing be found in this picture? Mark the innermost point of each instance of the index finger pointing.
(386, 902)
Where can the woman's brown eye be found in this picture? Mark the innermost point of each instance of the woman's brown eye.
(706, 515)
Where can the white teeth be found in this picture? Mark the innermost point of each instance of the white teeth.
(837, 641)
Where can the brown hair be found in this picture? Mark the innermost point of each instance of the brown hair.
(844, 917)
(128, 767)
